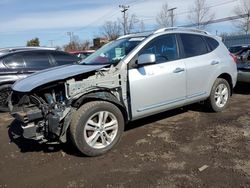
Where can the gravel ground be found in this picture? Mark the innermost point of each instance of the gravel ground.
(165, 150)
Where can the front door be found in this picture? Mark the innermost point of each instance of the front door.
(159, 86)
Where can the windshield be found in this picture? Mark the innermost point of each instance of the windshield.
(112, 52)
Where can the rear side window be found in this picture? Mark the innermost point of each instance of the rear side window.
(64, 59)
(193, 45)
(36, 60)
(14, 61)
(212, 43)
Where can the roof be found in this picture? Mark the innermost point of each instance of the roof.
(183, 29)
(13, 49)
(6, 53)
(134, 35)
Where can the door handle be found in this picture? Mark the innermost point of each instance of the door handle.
(177, 70)
(215, 62)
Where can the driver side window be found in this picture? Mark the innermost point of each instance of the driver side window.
(163, 47)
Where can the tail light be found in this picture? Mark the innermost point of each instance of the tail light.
(234, 57)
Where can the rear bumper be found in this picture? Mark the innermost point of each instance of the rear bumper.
(243, 76)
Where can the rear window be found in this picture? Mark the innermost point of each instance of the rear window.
(212, 43)
(36, 60)
(235, 49)
(193, 45)
(64, 59)
(14, 61)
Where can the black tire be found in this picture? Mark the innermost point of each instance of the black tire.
(79, 123)
(5, 90)
(211, 101)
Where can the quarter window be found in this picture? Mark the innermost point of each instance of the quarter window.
(164, 48)
(193, 45)
(212, 43)
(14, 61)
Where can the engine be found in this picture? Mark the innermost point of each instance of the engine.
(44, 115)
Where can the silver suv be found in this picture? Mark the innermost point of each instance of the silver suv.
(132, 77)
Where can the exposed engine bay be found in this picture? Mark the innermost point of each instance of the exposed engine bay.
(46, 112)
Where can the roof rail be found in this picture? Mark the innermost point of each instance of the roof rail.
(124, 36)
(181, 29)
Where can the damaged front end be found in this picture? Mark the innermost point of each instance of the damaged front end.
(45, 113)
(44, 116)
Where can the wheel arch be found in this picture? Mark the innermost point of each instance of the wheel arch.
(104, 95)
(229, 79)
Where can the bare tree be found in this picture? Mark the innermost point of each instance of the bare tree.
(131, 23)
(141, 26)
(243, 10)
(163, 18)
(111, 30)
(85, 45)
(77, 44)
(200, 14)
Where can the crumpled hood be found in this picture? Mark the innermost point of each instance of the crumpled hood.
(53, 74)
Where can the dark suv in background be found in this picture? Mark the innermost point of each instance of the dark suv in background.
(242, 54)
(16, 63)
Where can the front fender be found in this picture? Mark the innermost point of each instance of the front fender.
(97, 95)
(100, 95)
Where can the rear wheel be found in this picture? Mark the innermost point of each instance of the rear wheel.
(220, 94)
(5, 91)
(96, 127)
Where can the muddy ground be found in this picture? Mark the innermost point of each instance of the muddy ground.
(165, 150)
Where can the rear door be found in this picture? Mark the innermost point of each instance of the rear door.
(35, 61)
(200, 63)
(61, 58)
(159, 86)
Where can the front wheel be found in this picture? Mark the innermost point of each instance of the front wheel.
(96, 127)
(219, 96)
(5, 91)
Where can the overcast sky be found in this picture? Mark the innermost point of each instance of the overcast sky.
(22, 20)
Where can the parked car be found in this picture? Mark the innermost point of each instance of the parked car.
(82, 54)
(243, 64)
(133, 77)
(237, 49)
(16, 63)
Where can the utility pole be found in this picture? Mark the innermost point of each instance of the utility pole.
(51, 42)
(70, 34)
(172, 15)
(248, 22)
(124, 8)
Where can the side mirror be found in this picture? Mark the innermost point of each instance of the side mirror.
(146, 59)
